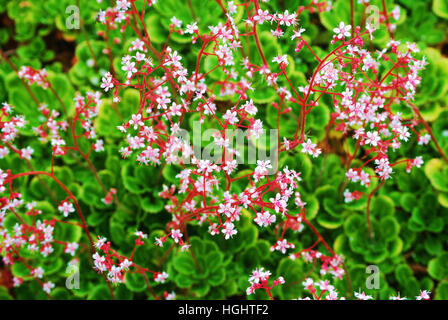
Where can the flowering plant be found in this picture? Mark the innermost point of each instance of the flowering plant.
(146, 172)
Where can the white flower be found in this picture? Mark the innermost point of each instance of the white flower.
(38, 272)
(176, 235)
(176, 22)
(161, 277)
(342, 30)
(297, 34)
(107, 83)
(191, 28)
(372, 138)
(282, 60)
(231, 117)
(229, 230)
(47, 286)
(70, 248)
(264, 219)
(362, 296)
(66, 207)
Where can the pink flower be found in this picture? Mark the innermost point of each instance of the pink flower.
(281, 60)
(231, 117)
(38, 272)
(136, 120)
(47, 286)
(362, 296)
(160, 277)
(259, 275)
(70, 248)
(262, 16)
(372, 138)
(422, 140)
(396, 13)
(264, 219)
(176, 235)
(107, 82)
(228, 230)
(424, 295)
(66, 208)
(297, 34)
(176, 22)
(98, 145)
(191, 28)
(310, 148)
(342, 30)
(282, 246)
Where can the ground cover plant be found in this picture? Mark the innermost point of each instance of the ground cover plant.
(250, 149)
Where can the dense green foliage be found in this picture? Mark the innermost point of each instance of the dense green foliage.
(409, 214)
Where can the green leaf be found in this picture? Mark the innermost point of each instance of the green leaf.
(403, 273)
(265, 95)
(442, 291)
(443, 199)
(91, 194)
(217, 277)
(214, 261)
(389, 228)
(184, 264)
(292, 272)
(433, 245)
(353, 224)
(100, 292)
(117, 231)
(183, 281)
(157, 32)
(68, 232)
(151, 204)
(210, 63)
(329, 222)
(408, 201)
(438, 267)
(60, 294)
(4, 294)
(395, 247)
(135, 282)
(201, 289)
(437, 173)
(19, 270)
(383, 206)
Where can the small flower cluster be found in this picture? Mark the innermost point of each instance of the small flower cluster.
(55, 128)
(424, 295)
(66, 207)
(31, 235)
(321, 290)
(52, 129)
(362, 95)
(259, 280)
(10, 126)
(363, 100)
(32, 75)
(329, 264)
(35, 237)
